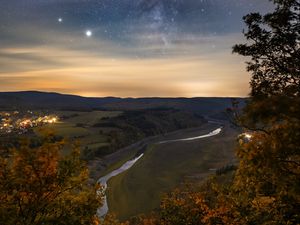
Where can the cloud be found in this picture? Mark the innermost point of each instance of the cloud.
(87, 74)
(136, 49)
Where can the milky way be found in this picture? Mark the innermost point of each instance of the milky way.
(122, 21)
(38, 35)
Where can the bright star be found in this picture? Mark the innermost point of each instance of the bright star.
(88, 33)
(60, 20)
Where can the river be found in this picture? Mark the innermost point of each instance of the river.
(102, 211)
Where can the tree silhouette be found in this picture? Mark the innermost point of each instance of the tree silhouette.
(273, 45)
(267, 182)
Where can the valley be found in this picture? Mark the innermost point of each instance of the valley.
(180, 141)
(165, 166)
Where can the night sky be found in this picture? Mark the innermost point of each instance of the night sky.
(125, 47)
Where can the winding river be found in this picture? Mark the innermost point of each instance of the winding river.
(102, 211)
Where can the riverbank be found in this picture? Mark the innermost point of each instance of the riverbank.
(126, 166)
(165, 166)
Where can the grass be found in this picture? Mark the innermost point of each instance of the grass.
(68, 130)
(91, 118)
(79, 126)
(165, 166)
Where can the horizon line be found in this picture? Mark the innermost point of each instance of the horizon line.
(124, 97)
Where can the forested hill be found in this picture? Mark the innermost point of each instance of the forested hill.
(44, 100)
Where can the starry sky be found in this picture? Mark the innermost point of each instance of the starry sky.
(125, 48)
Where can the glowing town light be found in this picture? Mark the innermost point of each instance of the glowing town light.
(248, 136)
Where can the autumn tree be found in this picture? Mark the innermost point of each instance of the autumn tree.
(267, 183)
(209, 203)
(41, 185)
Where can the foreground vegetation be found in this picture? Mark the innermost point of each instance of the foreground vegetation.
(40, 186)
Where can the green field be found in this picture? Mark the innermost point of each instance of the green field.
(78, 126)
(165, 166)
(91, 118)
(101, 133)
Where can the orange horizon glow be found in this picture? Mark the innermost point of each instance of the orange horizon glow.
(63, 70)
(99, 68)
(126, 48)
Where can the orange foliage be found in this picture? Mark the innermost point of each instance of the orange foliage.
(40, 186)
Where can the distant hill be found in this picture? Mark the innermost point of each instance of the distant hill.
(45, 100)
(56, 101)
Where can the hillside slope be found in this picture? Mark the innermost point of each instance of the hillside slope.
(45, 100)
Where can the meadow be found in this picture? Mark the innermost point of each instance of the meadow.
(165, 166)
(79, 126)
